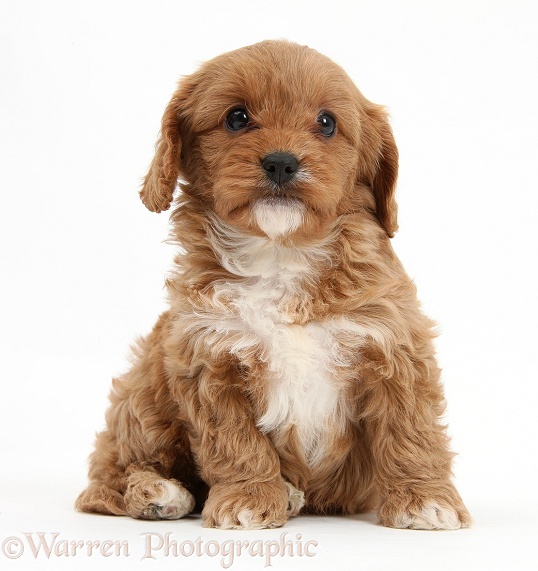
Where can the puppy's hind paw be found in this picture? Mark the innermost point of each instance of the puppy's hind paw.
(158, 498)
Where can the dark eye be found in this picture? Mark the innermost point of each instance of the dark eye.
(327, 124)
(237, 119)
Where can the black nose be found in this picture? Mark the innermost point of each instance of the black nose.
(280, 167)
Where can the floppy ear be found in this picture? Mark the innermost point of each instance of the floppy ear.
(384, 181)
(160, 182)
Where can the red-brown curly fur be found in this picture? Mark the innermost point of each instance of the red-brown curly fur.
(289, 362)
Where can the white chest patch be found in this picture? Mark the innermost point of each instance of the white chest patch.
(304, 393)
(301, 360)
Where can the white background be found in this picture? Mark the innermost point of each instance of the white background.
(82, 89)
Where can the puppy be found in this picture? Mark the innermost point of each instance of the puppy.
(293, 370)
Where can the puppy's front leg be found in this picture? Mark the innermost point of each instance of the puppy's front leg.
(238, 462)
(401, 409)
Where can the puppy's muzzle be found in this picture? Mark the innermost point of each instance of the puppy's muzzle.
(280, 167)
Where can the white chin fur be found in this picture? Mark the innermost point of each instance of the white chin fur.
(278, 216)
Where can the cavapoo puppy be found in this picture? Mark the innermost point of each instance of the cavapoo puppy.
(293, 371)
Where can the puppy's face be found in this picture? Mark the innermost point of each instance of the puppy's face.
(276, 140)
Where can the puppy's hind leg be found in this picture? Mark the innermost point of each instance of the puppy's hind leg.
(147, 495)
(144, 490)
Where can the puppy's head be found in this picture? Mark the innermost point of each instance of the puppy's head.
(275, 139)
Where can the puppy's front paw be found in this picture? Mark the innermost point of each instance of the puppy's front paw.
(148, 497)
(407, 510)
(246, 506)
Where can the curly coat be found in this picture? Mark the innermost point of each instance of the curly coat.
(294, 369)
